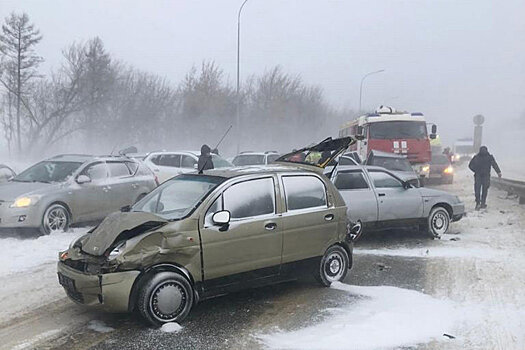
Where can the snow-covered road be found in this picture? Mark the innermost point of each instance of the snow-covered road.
(404, 292)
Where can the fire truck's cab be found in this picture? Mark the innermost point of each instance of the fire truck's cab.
(394, 132)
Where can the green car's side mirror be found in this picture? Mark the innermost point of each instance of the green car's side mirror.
(221, 218)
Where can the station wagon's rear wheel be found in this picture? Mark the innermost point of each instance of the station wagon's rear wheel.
(333, 267)
(166, 297)
(56, 219)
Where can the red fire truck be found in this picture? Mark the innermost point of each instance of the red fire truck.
(395, 132)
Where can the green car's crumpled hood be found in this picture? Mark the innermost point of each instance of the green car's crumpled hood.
(128, 224)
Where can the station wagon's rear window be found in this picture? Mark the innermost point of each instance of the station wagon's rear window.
(350, 181)
(304, 192)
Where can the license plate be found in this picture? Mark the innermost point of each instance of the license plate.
(66, 282)
(435, 175)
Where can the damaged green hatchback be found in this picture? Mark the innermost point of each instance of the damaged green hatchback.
(201, 235)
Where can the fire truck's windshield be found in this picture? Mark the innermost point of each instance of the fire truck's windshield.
(398, 130)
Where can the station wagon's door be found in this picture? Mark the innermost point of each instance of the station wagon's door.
(396, 203)
(358, 195)
(251, 246)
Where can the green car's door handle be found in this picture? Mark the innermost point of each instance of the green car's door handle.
(329, 217)
(270, 226)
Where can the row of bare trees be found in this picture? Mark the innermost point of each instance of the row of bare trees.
(98, 103)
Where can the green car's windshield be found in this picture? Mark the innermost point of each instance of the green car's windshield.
(178, 197)
(48, 171)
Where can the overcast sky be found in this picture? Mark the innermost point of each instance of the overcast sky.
(448, 59)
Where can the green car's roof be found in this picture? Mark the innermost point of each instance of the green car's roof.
(253, 169)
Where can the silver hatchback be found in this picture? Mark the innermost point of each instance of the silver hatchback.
(68, 189)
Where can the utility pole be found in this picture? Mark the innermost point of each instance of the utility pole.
(239, 76)
(361, 87)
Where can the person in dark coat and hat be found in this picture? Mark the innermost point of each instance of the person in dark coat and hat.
(481, 165)
(205, 161)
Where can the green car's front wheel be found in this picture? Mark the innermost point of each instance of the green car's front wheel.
(333, 266)
(165, 297)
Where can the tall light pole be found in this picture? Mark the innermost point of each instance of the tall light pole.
(361, 88)
(239, 76)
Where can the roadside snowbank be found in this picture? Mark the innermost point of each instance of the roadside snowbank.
(18, 255)
(384, 317)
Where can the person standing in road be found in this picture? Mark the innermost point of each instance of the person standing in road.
(205, 161)
(481, 165)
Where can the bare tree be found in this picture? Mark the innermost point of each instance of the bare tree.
(55, 105)
(19, 65)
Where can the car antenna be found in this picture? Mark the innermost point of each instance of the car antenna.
(113, 149)
(216, 147)
(223, 136)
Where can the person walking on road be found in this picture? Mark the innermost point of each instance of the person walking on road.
(205, 161)
(481, 165)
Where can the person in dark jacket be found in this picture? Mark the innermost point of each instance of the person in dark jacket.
(205, 161)
(481, 165)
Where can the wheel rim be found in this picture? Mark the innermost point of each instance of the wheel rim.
(167, 301)
(56, 219)
(357, 235)
(439, 222)
(334, 267)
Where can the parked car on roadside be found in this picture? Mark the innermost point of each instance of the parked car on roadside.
(441, 170)
(69, 189)
(379, 199)
(396, 163)
(165, 164)
(201, 235)
(255, 158)
(6, 173)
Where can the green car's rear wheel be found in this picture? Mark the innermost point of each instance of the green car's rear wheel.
(165, 297)
(333, 266)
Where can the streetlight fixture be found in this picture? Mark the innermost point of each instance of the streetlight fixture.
(361, 88)
(239, 76)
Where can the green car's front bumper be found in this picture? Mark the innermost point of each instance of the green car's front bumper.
(109, 291)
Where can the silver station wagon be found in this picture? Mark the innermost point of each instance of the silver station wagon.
(378, 199)
(67, 189)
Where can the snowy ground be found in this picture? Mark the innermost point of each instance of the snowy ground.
(404, 292)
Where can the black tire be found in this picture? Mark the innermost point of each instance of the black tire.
(165, 297)
(333, 266)
(438, 222)
(56, 218)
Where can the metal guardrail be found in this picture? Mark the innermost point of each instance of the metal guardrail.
(511, 186)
